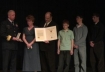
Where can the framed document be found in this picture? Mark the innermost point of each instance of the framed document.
(44, 34)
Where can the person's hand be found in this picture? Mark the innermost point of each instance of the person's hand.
(71, 52)
(91, 44)
(46, 41)
(75, 46)
(20, 40)
(58, 51)
(15, 39)
(29, 46)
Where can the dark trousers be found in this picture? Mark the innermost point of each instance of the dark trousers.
(48, 61)
(97, 57)
(9, 56)
(64, 57)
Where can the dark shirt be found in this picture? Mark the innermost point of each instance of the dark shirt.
(51, 46)
(7, 28)
(97, 32)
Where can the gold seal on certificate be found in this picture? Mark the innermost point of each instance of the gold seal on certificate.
(18, 35)
(43, 34)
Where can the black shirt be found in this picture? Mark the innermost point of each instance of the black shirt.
(97, 32)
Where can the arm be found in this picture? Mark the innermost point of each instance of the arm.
(24, 39)
(32, 41)
(3, 32)
(83, 38)
(58, 44)
(72, 44)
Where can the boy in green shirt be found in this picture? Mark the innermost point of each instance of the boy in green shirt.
(65, 47)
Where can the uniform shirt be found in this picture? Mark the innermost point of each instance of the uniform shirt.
(8, 29)
(65, 38)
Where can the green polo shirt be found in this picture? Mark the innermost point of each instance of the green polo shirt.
(65, 38)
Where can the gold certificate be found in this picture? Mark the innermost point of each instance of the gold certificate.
(46, 34)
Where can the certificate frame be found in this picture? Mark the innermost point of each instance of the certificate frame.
(46, 34)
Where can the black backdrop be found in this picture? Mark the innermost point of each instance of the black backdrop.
(61, 9)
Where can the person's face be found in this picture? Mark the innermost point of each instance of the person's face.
(78, 19)
(29, 22)
(95, 18)
(11, 16)
(48, 18)
(65, 26)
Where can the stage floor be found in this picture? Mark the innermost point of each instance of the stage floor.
(71, 70)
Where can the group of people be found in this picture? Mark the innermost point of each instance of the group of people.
(41, 56)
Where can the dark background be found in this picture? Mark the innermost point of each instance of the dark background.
(61, 9)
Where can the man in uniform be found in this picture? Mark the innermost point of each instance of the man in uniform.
(8, 31)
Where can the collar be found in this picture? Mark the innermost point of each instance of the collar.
(78, 26)
(49, 22)
(96, 23)
(66, 30)
(10, 20)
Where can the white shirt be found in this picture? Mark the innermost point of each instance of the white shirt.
(10, 21)
(46, 24)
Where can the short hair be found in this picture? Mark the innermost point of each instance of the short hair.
(96, 14)
(11, 11)
(79, 16)
(66, 21)
(30, 17)
(49, 13)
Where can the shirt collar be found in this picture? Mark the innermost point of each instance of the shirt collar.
(10, 20)
(78, 26)
(96, 23)
(66, 30)
(48, 22)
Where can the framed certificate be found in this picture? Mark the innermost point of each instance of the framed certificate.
(44, 34)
